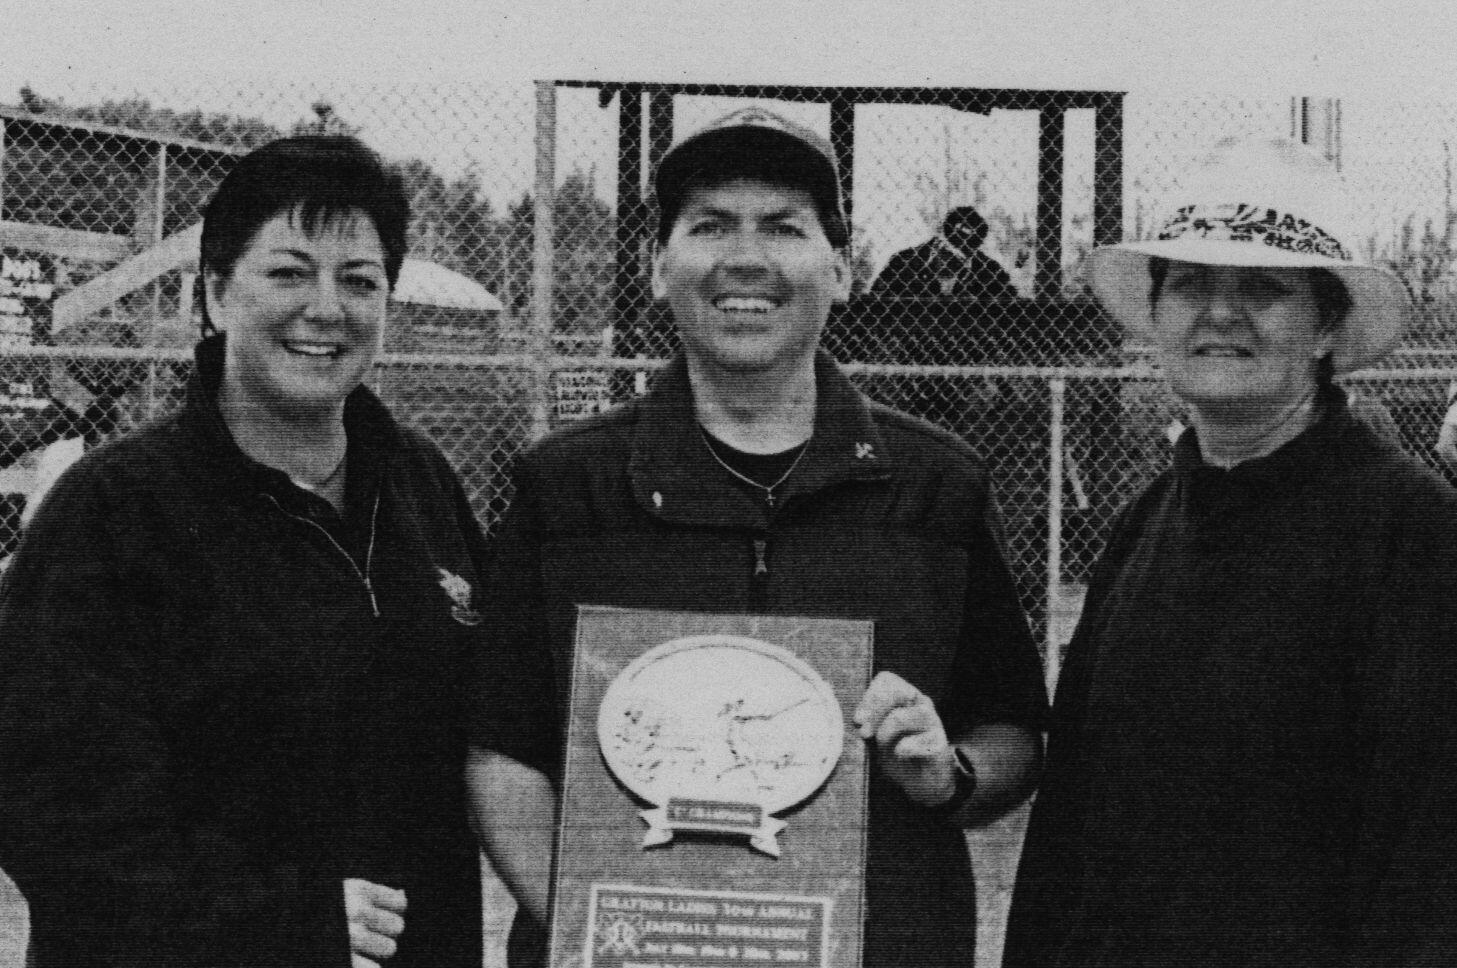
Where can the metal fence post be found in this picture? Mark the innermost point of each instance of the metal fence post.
(159, 224)
(542, 255)
(149, 409)
(1057, 391)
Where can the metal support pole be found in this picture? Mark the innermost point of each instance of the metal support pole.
(1316, 121)
(149, 399)
(1108, 170)
(1047, 275)
(542, 281)
(159, 222)
(631, 226)
(1057, 389)
(842, 138)
(159, 195)
(4, 130)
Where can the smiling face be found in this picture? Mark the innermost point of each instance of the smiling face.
(750, 276)
(1239, 341)
(304, 314)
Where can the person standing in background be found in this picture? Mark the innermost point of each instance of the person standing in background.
(949, 266)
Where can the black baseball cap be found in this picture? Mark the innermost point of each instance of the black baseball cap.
(753, 143)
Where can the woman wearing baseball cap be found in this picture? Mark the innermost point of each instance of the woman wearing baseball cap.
(1252, 757)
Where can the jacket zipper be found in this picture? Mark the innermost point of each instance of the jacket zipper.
(363, 576)
(759, 576)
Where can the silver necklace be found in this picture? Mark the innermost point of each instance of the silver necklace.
(767, 489)
(1303, 411)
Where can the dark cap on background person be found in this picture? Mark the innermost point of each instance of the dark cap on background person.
(965, 220)
(752, 142)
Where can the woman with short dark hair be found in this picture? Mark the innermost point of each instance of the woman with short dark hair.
(1252, 760)
(234, 640)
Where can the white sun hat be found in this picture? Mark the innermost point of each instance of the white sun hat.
(1269, 203)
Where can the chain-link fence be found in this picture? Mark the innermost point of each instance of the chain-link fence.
(525, 302)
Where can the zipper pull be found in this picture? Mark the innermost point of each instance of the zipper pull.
(761, 561)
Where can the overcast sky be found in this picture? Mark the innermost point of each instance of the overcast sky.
(228, 54)
(1318, 46)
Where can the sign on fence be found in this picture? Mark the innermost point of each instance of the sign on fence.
(581, 393)
(27, 287)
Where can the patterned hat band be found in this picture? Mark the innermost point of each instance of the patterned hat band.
(1241, 222)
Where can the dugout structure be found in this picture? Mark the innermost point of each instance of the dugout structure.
(645, 117)
(952, 361)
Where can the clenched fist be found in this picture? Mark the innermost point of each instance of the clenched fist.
(906, 729)
(376, 920)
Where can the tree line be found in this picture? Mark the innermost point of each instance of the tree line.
(93, 183)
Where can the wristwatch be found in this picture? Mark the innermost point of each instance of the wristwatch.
(964, 774)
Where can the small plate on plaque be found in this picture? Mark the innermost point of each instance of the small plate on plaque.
(719, 732)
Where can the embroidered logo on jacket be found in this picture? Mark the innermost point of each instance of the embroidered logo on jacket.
(459, 591)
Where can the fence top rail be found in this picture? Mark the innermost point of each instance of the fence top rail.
(59, 124)
(182, 354)
(966, 97)
(558, 362)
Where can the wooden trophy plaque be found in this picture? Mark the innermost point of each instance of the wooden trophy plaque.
(714, 796)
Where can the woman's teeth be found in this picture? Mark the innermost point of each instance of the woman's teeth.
(313, 349)
(743, 304)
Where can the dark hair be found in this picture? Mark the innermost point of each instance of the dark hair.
(320, 176)
(967, 218)
(1332, 303)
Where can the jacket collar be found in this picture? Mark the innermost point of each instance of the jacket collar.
(1297, 458)
(1315, 453)
(372, 432)
(675, 477)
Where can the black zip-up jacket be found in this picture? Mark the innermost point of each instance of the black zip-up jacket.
(1253, 758)
(219, 698)
(885, 518)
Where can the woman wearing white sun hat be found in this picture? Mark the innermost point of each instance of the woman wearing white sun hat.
(1252, 757)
